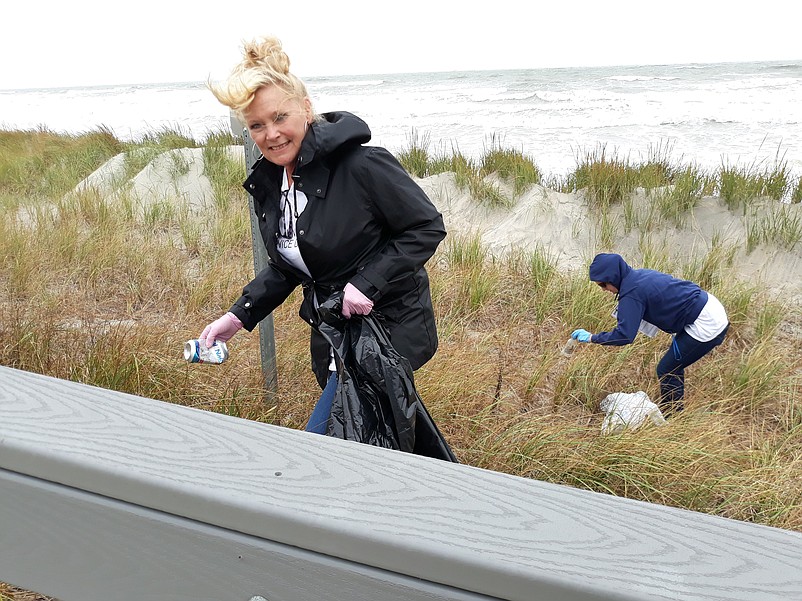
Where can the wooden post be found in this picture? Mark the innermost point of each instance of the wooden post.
(267, 341)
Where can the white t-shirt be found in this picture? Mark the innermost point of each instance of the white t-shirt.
(292, 204)
(711, 321)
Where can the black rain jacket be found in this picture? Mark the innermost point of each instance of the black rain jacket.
(367, 222)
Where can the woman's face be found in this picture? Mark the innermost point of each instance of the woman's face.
(277, 124)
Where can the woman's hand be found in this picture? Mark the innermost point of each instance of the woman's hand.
(354, 302)
(222, 329)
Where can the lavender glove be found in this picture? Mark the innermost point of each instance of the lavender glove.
(354, 302)
(221, 329)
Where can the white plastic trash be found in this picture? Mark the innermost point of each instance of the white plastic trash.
(628, 410)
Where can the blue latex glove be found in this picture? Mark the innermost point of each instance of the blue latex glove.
(581, 335)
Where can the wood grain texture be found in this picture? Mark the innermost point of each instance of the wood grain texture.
(85, 547)
(452, 525)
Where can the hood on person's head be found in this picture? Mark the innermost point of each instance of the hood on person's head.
(610, 268)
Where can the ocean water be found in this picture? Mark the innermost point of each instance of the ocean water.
(704, 114)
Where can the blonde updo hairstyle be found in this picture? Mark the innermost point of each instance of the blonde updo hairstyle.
(264, 63)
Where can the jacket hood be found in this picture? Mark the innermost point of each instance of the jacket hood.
(336, 131)
(610, 268)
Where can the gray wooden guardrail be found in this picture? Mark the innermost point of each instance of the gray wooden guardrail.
(109, 496)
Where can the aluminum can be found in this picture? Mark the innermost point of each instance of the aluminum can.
(195, 351)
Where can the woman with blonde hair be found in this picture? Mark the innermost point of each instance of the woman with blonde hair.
(335, 215)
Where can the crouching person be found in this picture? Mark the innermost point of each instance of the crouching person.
(650, 299)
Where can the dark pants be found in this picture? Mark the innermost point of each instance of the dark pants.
(319, 420)
(684, 351)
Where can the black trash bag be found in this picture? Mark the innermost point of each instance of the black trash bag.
(376, 401)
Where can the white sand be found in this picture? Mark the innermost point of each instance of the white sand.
(556, 223)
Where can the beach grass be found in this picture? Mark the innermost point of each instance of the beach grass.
(796, 191)
(94, 292)
(510, 166)
(40, 164)
(742, 185)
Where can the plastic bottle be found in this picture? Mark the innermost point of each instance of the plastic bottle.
(569, 347)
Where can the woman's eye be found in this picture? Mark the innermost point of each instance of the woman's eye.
(281, 117)
(255, 126)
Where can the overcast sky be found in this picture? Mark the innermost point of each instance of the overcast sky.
(88, 42)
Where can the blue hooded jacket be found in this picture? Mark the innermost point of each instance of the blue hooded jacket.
(645, 294)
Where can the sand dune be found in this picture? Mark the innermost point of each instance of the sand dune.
(561, 225)
(558, 223)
